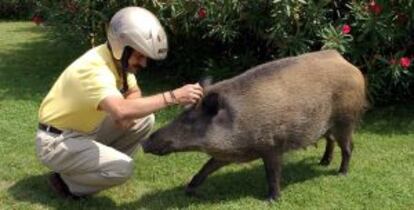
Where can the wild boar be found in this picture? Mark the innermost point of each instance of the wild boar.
(268, 110)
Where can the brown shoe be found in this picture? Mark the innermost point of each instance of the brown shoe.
(60, 188)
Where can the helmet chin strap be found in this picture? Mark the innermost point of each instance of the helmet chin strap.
(124, 64)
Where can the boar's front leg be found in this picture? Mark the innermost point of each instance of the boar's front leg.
(273, 167)
(208, 168)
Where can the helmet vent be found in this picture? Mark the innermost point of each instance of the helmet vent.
(163, 50)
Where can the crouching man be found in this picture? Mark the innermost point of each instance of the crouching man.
(94, 117)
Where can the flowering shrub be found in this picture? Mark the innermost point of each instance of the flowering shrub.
(223, 38)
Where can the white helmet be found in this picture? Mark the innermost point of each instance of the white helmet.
(139, 29)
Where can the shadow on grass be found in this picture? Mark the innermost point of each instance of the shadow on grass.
(222, 187)
(35, 190)
(231, 186)
(397, 119)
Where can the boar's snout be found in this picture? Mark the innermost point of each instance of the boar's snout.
(156, 145)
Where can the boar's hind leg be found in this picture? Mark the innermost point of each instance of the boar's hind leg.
(208, 168)
(273, 167)
(327, 156)
(343, 136)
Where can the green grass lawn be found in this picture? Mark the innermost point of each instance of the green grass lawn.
(381, 173)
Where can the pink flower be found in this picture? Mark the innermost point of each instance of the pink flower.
(405, 62)
(346, 29)
(375, 7)
(202, 12)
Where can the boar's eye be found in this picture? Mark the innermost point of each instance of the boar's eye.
(210, 104)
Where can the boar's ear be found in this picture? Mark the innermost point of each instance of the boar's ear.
(206, 81)
(210, 104)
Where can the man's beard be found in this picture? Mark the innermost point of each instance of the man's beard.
(134, 69)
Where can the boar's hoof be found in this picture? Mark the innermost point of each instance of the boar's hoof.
(343, 172)
(272, 198)
(190, 191)
(325, 162)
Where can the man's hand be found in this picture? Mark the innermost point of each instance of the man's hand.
(188, 94)
(123, 111)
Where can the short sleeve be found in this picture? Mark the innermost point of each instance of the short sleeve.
(96, 84)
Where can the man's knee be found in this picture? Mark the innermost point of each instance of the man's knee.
(119, 170)
(115, 169)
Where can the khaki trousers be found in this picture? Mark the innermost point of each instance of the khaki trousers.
(89, 163)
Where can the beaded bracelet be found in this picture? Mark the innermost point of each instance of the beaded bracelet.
(174, 99)
(165, 99)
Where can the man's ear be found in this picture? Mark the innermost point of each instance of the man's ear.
(206, 81)
(210, 104)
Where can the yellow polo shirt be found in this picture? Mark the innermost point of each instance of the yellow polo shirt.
(73, 101)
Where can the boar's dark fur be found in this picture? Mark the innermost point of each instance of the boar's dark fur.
(270, 109)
